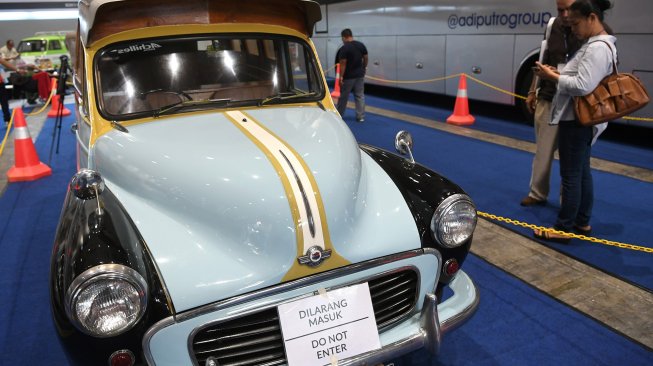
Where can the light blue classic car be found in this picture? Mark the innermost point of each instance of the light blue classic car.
(224, 214)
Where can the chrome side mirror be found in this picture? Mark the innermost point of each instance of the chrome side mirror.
(404, 144)
(87, 184)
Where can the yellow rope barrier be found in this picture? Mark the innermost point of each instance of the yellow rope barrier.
(11, 121)
(47, 102)
(479, 82)
(415, 81)
(570, 235)
(495, 88)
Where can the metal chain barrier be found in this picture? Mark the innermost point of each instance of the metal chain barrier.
(564, 233)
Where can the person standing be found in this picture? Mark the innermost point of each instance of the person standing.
(561, 45)
(9, 52)
(593, 62)
(4, 94)
(352, 58)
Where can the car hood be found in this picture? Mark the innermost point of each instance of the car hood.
(223, 215)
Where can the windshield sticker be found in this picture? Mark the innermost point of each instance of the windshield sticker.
(145, 47)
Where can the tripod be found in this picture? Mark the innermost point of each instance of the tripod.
(64, 71)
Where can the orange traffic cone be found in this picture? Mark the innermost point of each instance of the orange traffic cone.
(461, 116)
(56, 103)
(336, 90)
(28, 166)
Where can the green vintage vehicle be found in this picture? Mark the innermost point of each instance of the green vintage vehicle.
(44, 49)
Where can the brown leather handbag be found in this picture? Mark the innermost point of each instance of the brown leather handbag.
(617, 95)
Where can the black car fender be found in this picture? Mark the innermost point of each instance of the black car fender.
(424, 190)
(92, 232)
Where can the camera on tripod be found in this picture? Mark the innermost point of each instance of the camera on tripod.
(64, 72)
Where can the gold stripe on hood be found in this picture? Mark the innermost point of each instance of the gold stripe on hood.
(302, 192)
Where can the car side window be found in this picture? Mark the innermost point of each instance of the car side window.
(79, 76)
(54, 45)
(304, 77)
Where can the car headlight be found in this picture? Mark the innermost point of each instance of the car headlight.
(454, 221)
(106, 300)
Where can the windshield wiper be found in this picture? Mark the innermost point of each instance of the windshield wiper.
(188, 103)
(285, 96)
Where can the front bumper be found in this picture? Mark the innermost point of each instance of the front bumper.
(434, 321)
(169, 341)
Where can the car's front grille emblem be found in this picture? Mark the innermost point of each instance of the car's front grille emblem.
(314, 256)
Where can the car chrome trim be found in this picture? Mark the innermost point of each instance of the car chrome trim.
(199, 328)
(301, 282)
(123, 351)
(80, 143)
(429, 337)
(404, 144)
(375, 357)
(87, 184)
(432, 329)
(429, 321)
(306, 281)
(105, 271)
(443, 207)
(460, 284)
(309, 260)
(77, 85)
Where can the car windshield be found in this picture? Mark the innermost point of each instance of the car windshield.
(143, 78)
(32, 45)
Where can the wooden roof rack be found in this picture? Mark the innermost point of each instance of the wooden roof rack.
(100, 18)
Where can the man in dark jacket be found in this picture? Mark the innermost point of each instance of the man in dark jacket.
(561, 46)
(352, 58)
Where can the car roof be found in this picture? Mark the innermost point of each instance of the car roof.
(44, 35)
(101, 18)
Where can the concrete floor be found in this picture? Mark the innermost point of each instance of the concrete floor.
(618, 304)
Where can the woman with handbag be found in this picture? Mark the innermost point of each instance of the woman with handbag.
(580, 76)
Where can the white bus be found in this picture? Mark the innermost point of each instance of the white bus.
(496, 41)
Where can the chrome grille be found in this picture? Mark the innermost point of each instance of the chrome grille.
(255, 339)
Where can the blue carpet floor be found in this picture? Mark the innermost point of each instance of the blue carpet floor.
(497, 178)
(515, 324)
(29, 212)
(631, 155)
